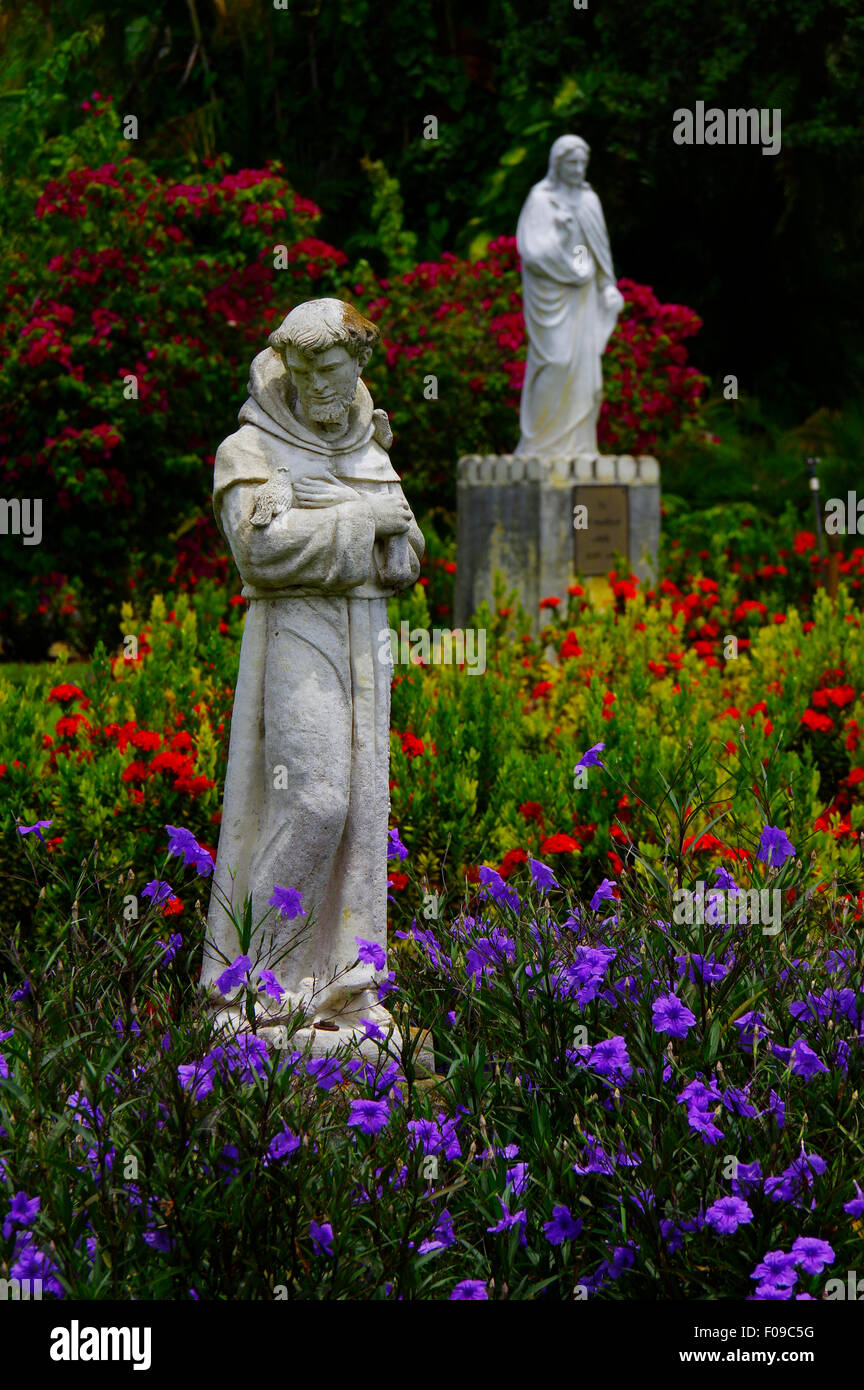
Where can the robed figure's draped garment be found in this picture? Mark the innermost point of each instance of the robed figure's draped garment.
(568, 323)
(306, 792)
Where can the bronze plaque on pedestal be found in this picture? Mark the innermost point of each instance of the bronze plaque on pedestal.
(606, 531)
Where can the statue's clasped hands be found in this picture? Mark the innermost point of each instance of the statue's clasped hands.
(392, 513)
(324, 491)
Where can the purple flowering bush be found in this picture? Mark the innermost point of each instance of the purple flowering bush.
(627, 1101)
(624, 1104)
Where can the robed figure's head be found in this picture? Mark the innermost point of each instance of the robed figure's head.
(325, 344)
(568, 161)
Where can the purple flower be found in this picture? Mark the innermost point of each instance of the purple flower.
(35, 829)
(562, 1226)
(856, 1206)
(387, 986)
(497, 889)
(737, 1103)
(22, 1212)
(169, 948)
(322, 1238)
(594, 1159)
(85, 1112)
(751, 1026)
(284, 1144)
(725, 881)
(435, 1136)
(369, 1116)
(21, 992)
(158, 1240)
(542, 874)
(469, 1290)
(517, 1178)
(197, 1077)
(236, 975)
(776, 1267)
(508, 1220)
(777, 1108)
(371, 953)
(703, 1121)
(395, 847)
(158, 890)
(774, 847)
(31, 1263)
(268, 984)
(183, 842)
(746, 1175)
(443, 1235)
(590, 759)
(672, 1016)
(603, 894)
(805, 1061)
(727, 1214)
(325, 1071)
(610, 1058)
(372, 1030)
(288, 902)
(812, 1254)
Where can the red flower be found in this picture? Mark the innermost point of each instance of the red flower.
(135, 772)
(839, 695)
(749, 605)
(68, 725)
(65, 693)
(570, 647)
(397, 881)
(541, 688)
(804, 540)
(146, 740)
(575, 590)
(549, 602)
(532, 810)
(511, 860)
(172, 907)
(171, 762)
(560, 844)
(820, 723)
(411, 745)
(702, 842)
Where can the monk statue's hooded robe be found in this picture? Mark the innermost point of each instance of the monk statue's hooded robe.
(306, 796)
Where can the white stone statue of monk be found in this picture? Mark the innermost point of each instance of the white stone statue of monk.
(571, 303)
(306, 497)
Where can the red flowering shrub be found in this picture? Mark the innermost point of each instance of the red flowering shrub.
(129, 321)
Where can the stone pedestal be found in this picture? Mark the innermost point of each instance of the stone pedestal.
(516, 515)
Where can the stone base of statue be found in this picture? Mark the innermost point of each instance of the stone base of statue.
(543, 522)
(329, 1032)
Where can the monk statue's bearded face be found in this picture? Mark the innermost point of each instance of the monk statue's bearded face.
(326, 382)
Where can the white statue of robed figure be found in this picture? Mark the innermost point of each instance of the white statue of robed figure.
(571, 304)
(307, 499)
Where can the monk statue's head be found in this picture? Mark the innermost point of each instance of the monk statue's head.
(568, 160)
(325, 344)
